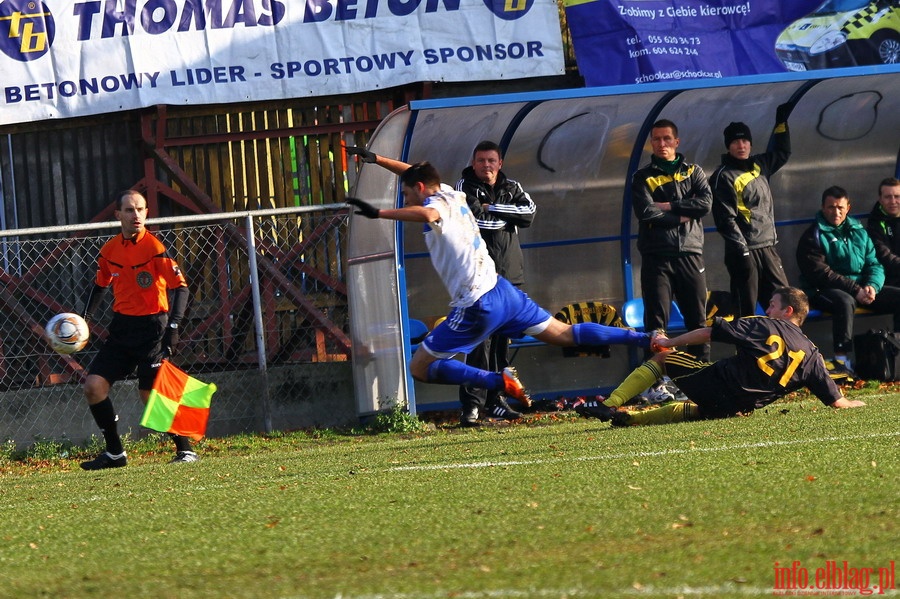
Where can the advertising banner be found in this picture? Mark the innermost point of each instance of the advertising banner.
(639, 41)
(66, 58)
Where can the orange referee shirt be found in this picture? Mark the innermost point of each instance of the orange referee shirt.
(140, 271)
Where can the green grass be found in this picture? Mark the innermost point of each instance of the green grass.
(555, 507)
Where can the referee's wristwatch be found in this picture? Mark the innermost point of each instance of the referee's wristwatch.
(173, 325)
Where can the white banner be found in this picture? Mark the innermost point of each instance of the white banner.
(65, 58)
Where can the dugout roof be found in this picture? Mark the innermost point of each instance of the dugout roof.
(574, 152)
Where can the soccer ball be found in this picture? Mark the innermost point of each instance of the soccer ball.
(67, 333)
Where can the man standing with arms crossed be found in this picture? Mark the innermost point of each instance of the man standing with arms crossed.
(500, 207)
(144, 328)
(669, 197)
(745, 216)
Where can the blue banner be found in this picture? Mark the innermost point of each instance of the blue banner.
(642, 41)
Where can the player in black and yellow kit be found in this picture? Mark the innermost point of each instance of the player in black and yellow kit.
(144, 328)
(773, 358)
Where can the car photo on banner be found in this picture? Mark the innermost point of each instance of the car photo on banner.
(842, 33)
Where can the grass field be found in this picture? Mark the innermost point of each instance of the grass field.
(556, 506)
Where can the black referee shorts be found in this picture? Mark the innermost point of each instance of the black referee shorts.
(133, 343)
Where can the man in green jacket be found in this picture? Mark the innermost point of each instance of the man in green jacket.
(840, 271)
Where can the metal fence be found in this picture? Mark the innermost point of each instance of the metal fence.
(267, 322)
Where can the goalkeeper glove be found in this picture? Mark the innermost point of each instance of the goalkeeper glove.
(364, 154)
(364, 208)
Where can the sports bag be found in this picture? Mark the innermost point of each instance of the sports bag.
(877, 355)
(598, 312)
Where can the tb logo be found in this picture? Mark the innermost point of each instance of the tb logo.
(27, 29)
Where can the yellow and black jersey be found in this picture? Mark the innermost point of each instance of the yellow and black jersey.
(685, 187)
(140, 273)
(774, 357)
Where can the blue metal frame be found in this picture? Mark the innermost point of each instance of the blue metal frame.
(590, 92)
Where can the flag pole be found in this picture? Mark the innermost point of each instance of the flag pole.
(258, 324)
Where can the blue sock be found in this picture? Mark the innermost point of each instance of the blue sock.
(454, 372)
(591, 333)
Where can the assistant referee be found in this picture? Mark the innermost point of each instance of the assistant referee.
(144, 328)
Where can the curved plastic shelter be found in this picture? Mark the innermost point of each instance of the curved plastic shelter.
(574, 151)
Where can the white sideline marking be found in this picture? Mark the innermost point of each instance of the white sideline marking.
(645, 591)
(645, 454)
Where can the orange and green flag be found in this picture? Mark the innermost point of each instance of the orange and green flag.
(178, 403)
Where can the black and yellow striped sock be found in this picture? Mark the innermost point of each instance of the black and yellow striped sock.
(675, 411)
(641, 378)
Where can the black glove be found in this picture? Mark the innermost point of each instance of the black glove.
(364, 208)
(170, 341)
(364, 154)
(782, 113)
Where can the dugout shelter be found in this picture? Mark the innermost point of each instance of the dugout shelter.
(574, 152)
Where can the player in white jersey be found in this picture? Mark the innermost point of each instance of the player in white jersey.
(483, 302)
(457, 250)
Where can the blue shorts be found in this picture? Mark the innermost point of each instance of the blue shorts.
(505, 309)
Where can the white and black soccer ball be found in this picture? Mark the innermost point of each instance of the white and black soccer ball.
(67, 333)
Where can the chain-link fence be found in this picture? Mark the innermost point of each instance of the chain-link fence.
(267, 322)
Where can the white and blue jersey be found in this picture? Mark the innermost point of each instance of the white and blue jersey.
(458, 252)
(483, 302)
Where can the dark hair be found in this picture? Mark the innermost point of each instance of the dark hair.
(487, 146)
(663, 123)
(421, 172)
(834, 192)
(124, 194)
(796, 299)
(889, 182)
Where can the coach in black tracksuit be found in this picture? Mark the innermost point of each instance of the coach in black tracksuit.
(669, 197)
(744, 213)
(884, 229)
(501, 207)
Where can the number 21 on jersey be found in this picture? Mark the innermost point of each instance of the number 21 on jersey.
(778, 348)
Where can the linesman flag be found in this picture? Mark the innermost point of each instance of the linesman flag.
(178, 403)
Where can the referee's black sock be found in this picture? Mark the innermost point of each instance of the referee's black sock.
(182, 443)
(105, 416)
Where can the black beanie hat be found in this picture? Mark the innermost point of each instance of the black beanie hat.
(737, 131)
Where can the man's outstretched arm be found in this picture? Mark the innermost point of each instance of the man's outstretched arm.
(844, 403)
(418, 214)
(695, 337)
(398, 167)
